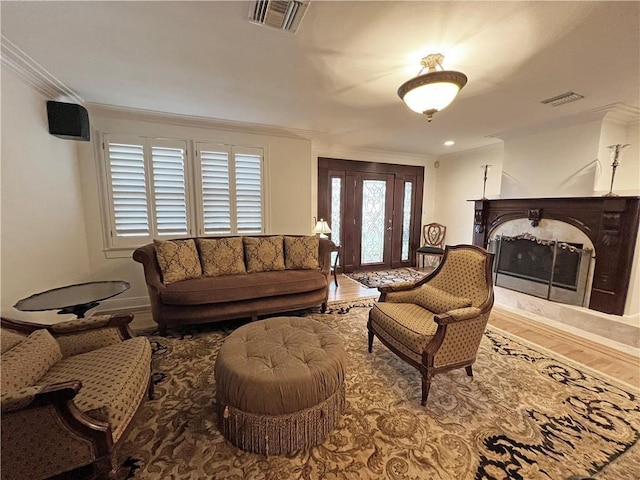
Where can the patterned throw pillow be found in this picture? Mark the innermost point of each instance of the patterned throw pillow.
(263, 254)
(9, 339)
(27, 362)
(439, 301)
(178, 260)
(224, 256)
(301, 253)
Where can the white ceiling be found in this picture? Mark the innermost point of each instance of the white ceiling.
(338, 76)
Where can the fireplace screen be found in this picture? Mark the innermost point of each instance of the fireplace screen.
(545, 268)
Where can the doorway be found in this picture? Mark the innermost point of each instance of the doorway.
(374, 210)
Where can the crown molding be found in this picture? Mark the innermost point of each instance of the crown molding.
(622, 113)
(617, 112)
(153, 116)
(497, 147)
(34, 74)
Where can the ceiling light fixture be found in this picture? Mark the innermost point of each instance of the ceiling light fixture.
(448, 143)
(433, 91)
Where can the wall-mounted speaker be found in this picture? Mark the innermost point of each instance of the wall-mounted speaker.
(68, 121)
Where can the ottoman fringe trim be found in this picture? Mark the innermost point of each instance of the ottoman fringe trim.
(280, 434)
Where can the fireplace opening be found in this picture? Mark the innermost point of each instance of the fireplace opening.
(545, 268)
(542, 262)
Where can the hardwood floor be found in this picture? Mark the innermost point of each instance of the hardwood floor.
(619, 365)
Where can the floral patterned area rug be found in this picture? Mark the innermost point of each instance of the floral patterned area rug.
(379, 278)
(524, 415)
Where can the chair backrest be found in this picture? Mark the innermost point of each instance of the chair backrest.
(433, 235)
(465, 271)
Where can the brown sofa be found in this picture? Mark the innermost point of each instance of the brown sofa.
(70, 392)
(206, 298)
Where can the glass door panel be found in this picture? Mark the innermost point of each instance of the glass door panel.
(406, 220)
(374, 194)
(336, 215)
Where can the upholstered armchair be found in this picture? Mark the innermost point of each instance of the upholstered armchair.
(436, 324)
(69, 394)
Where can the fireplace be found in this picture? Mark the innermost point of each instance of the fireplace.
(608, 224)
(549, 269)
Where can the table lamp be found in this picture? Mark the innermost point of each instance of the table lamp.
(322, 227)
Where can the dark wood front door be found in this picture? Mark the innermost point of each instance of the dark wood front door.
(374, 210)
(373, 220)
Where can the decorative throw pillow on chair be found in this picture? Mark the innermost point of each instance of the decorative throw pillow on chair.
(439, 301)
(301, 253)
(264, 254)
(24, 364)
(223, 256)
(178, 260)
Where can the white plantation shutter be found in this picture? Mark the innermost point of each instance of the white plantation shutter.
(231, 189)
(151, 185)
(170, 188)
(215, 191)
(126, 173)
(248, 170)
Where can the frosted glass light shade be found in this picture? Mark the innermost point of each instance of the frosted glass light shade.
(433, 96)
(432, 91)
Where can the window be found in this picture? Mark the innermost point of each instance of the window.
(228, 176)
(154, 190)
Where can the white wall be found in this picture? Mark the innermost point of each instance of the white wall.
(627, 179)
(43, 242)
(560, 162)
(460, 179)
(289, 192)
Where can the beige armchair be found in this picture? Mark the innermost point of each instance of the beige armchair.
(69, 393)
(436, 324)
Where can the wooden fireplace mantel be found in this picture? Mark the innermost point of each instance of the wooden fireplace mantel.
(611, 223)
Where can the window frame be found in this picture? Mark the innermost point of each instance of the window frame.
(116, 246)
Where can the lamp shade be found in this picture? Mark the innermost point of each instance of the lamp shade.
(321, 227)
(432, 91)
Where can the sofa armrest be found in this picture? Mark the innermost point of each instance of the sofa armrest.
(146, 255)
(82, 334)
(47, 415)
(19, 399)
(94, 322)
(325, 248)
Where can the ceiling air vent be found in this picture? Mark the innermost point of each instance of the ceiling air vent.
(284, 15)
(562, 99)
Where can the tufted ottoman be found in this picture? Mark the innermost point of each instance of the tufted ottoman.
(280, 384)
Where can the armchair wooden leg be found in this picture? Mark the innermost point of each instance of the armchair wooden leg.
(323, 307)
(469, 370)
(370, 341)
(151, 388)
(106, 468)
(426, 385)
